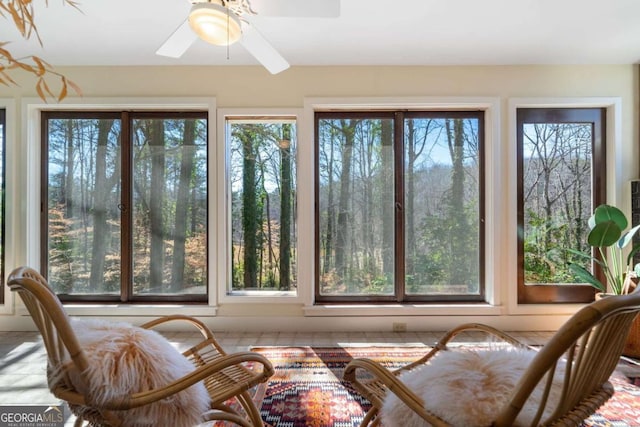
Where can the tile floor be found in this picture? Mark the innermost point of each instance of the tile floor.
(23, 359)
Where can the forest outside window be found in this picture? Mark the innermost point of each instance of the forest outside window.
(126, 205)
(399, 206)
(262, 182)
(561, 177)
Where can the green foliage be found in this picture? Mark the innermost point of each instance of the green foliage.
(381, 284)
(356, 281)
(545, 260)
(607, 225)
(237, 275)
(271, 281)
(428, 270)
(439, 262)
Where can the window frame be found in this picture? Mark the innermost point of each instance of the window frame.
(597, 115)
(500, 246)
(12, 201)
(257, 120)
(3, 199)
(398, 117)
(222, 263)
(126, 295)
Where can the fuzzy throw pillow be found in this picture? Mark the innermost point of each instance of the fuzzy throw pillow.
(468, 389)
(125, 359)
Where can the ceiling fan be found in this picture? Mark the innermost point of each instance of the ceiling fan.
(223, 22)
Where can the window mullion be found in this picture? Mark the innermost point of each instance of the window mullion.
(398, 155)
(3, 150)
(126, 210)
(44, 194)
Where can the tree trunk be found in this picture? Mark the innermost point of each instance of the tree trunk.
(285, 209)
(101, 236)
(249, 210)
(459, 229)
(343, 231)
(67, 193)
(388, 200)
(410, 212)
(368, 208)
(182, 204)
(156, 199)
(328, 238)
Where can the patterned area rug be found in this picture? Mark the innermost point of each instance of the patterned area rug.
(307, 389)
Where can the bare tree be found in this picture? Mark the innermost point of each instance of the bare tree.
(459, 227)
(156, 202)
(285, 208)
(249, 207)
(103, 186)
(388, 198)
(347, 128)
(417, 132)
(187, 151)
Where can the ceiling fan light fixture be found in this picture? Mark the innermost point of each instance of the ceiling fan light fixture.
(215, 23)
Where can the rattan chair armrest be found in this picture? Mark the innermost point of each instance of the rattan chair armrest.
(390, 380)
(489, 330)
(198, 324)
(201, 373)
(70, 396)
(453, 333)
(212, 367)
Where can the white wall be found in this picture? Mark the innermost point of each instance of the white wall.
(615, 87)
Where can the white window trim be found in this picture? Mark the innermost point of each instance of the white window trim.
(223, 208)
(614, 179)
(30, 208)
(494, 207)
(12, 202)
(500, 173)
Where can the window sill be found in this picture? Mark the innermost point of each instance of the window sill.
(404, 310)
(133, 310)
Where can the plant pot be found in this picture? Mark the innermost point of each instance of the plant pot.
(632, 347)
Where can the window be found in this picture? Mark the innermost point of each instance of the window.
(262, 181)
(126, 198)
(399, 206)
(2, 199)
(561, 177)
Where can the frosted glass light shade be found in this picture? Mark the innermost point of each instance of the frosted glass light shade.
(209, 21)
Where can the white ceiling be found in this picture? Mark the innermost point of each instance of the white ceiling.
(368, 32)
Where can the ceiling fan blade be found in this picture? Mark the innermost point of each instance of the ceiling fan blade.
(262, 50)
(178, 42)
(297, 8)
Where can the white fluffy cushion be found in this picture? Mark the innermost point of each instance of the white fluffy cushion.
(125, 359)
(468, 389)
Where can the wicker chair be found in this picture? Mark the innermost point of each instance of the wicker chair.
(591, 343)
(225, 375)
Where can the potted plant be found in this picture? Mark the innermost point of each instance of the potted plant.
(607, 235)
